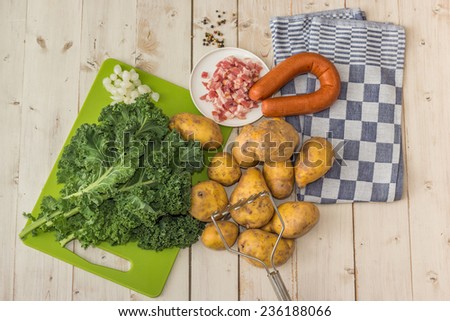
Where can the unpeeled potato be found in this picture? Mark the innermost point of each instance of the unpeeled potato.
(314, 160)
(270, 140)
(211, 238)
(224, 169)
(199, 128)
(206, 198)
(267, 227)
(259, 212)
(298, 217)
(260, 244)
(279, 177)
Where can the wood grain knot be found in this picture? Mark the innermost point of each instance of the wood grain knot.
(264, 54)
(350, 271)
(146, 65)
(92, 64)
(147, 40)
(309, 5)
(170, 11)
(245, 25)
(67, 46)
(437, 9)
(41, 42)
(16, 179)
(432, 277)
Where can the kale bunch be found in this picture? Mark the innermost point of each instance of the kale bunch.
(125, 179)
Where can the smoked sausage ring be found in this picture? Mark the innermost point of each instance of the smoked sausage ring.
(318, 65)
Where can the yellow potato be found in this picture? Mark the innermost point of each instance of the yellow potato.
(259, 212)
(211, 238)
(224, 169)
(271, 140)
(260, 244)
(298, 217)
(267, 227)
(199, 128)
(314, 160)
(279, 177)
(206, 198)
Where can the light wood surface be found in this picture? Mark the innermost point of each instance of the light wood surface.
(326, 259)
(12, 20)
(381, 231)
(49, 55)
(426, 124)
(214, 274)
(52, 45)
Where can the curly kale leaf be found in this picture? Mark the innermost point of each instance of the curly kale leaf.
(127, 178)
(179, 231)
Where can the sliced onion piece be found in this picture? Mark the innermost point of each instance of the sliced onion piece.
(125, 86)
(155, 96)
(117, 69)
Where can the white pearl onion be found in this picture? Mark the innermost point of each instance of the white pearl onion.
(125, 86)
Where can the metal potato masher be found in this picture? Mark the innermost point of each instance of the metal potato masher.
(272, 273)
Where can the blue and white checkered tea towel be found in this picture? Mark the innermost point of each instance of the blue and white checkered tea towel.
(364, 125)
(290, 36)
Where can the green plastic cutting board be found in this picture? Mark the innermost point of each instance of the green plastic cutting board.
(149, 270)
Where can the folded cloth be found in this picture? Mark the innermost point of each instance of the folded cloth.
(364, 125)
(290, 36)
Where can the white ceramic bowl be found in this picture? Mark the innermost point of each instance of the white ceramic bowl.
(208, 63)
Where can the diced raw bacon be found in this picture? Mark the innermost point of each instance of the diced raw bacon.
(228, 87)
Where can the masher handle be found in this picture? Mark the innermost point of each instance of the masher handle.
(278, 286)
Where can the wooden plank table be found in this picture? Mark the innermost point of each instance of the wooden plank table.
(49, 55)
